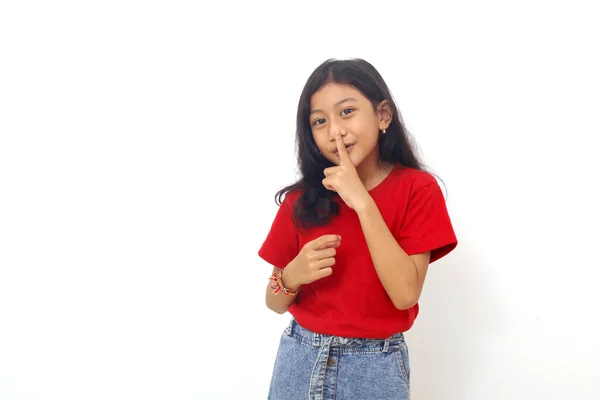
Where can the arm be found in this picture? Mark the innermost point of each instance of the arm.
(280, 302)
(402, 275)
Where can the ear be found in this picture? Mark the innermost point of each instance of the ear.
(385, 114)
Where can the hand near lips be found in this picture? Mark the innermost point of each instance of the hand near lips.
(344, 180)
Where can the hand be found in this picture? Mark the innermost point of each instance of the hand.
(344, 178)
(312, 263)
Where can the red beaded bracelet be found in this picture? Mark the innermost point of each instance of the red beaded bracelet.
(278, 285)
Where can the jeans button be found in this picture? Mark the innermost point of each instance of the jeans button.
(330, 362)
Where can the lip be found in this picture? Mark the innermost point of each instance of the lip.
(348, 148)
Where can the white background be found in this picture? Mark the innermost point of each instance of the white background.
(142, 143)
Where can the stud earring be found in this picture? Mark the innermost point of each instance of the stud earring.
(383, 132)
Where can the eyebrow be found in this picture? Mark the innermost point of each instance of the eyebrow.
(336, 104)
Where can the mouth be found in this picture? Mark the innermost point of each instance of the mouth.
(348, 148)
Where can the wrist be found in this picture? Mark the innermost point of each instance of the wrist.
(288, 281)
(365, 207)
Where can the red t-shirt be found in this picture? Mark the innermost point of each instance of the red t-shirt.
(352, 301)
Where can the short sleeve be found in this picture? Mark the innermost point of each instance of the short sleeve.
(426, 225)
(281, 245)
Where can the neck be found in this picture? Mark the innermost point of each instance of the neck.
(372, 171)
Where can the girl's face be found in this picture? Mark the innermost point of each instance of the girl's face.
(343, 108)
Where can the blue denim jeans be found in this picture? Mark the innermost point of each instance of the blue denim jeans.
(311, 366)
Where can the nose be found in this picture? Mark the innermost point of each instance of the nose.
(333, 128)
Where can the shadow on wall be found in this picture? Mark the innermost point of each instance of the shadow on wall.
(459, 312)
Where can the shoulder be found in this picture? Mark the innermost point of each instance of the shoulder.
(289, 199)
(410, 181)
(293, 195)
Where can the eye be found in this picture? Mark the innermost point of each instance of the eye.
(347, 111)
(319, 121)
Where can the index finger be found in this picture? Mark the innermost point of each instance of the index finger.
(323, 240)
(344, 157)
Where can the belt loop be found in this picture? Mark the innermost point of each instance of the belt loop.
(386, 345)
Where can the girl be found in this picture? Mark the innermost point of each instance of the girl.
(351, 242)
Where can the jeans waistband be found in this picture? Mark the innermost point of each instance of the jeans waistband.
(319, 340)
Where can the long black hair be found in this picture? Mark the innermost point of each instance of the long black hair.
(315, 207)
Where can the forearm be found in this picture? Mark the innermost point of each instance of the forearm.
(395, 269)
(279, 302)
